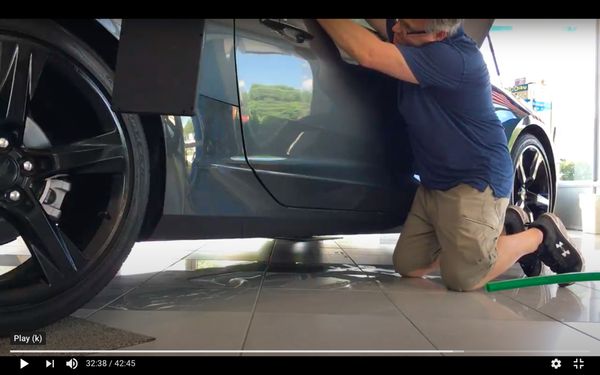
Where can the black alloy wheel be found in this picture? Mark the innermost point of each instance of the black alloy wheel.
(73, 175)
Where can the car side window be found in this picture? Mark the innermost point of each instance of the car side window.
(274, 79)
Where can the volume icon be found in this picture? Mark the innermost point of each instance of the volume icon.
(72, 363)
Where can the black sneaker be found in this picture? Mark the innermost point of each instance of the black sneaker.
(516, 221)
(557, 251)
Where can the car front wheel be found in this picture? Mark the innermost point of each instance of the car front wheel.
(73, 175)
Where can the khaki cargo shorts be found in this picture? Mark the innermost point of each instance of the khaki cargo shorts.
(461, 226)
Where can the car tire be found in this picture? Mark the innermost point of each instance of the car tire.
(533, 187)
(103, 209)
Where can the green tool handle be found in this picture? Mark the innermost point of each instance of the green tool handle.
(562, 278)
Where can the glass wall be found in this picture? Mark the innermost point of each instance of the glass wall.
(551, 64)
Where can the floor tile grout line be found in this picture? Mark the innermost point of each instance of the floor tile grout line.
(358, 266)
(587, 286)
(260, 288)
(345, 253)
(110, 302)
(407, 318)
(315, 290)
(142, 283)
(550, 317)
(579, 330)
(382, 290)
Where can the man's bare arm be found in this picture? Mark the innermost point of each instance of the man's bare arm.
(378, 24)
(368, 50)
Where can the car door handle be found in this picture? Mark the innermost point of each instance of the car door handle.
(286, 30)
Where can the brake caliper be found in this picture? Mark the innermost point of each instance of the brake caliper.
(53, 195)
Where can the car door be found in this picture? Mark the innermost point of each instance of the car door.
(319, 131)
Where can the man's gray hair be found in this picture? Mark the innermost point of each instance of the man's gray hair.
(450, 25)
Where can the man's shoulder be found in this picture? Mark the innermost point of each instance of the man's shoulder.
(442, 51)
(464, 44)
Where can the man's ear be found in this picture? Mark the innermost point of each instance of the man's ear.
(441, 35)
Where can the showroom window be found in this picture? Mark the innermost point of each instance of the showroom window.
(550, 64)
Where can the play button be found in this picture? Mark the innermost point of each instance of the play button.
(23, 363)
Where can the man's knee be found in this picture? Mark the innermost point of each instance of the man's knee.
(459, 280)
(412, 273)
(407, 267)
(403, 265)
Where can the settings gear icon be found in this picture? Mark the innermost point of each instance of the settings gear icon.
(555, 363)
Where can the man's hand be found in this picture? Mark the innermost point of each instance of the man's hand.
(364, 47)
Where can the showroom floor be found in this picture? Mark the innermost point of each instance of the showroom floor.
(338, 294)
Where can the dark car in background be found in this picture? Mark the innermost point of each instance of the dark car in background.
(290, 138)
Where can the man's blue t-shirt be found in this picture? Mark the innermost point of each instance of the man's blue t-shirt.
(454, 132)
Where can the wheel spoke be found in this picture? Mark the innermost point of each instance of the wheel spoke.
(520, 203)
(101, 154)
(520, 171)
(537, 161)
(539, 200)
(20, 70)
(7, 231)
(55, 253)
